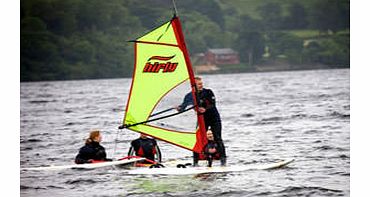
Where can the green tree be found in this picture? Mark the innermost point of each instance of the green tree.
(247, 23)
(330, 15)
(201, 33)
(251, 46)
(78, 39)
(272, 18)
(63, 20)
(39, 49)
(33, 24)
(148, 12)
(285, 45)
(335, 51)
(210, 9)
(38, 54)
(297, 17)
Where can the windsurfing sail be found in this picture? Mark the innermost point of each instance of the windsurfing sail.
(162, 76)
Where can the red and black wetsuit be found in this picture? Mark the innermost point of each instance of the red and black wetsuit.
(92, 150)
(145, 147)
(210, 156)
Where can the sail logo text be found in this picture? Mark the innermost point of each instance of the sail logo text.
(157, 66)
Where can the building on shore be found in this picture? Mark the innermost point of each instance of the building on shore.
(212, 58)
(222, 56)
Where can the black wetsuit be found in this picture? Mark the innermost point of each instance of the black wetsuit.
(211, 116)
(92, 151)
(145, 147)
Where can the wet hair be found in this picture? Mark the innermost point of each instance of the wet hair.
(198, 78)
(143, 135)
(93, 135)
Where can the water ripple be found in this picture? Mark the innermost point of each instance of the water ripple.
(266, 117)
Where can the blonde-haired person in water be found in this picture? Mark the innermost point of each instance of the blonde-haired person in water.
(92, 151)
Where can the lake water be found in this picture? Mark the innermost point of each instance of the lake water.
(266, 116)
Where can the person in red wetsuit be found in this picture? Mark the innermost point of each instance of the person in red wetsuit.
(92, 151)
(212, 150)
(146, 147)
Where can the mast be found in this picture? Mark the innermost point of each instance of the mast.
(201, 134)
(174, 8)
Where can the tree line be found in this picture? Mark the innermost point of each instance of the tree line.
(85, 39)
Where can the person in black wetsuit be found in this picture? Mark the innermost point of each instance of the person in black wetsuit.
(212, 150)
(146, 147)
(92, 151)
(212, 119)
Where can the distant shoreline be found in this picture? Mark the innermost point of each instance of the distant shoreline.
(270, 68)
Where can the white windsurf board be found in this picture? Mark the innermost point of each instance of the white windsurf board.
(202, 170)
(88, 165)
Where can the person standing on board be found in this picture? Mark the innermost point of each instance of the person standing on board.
(212, 119)
(92, 151)
(212, 149)
(145, 147)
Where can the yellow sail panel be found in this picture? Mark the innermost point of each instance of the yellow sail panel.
(184, 140)
(161, 65)
(153, 78)
(162, 34)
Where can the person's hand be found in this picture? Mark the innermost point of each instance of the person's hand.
(178, 108)
(90, 161)
(202, 109)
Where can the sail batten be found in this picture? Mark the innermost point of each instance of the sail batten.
(162, 67)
